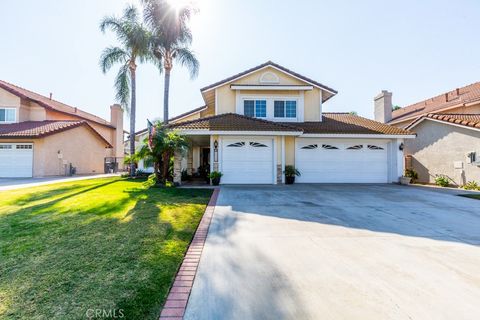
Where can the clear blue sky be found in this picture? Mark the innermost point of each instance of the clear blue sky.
(416, 49)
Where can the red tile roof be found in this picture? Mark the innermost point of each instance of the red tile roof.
(467, 120)
(232, 122)
(457, 97)
(333, 123)
(52, 104)
(273, 64)
(40, 129)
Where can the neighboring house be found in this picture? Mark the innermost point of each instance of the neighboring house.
(448, 133)
(43, 137)
(255, 123)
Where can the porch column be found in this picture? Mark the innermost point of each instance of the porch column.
(177, 168)
(190, 160)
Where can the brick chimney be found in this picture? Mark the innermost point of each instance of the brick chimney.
(116, 119)
(383, 107)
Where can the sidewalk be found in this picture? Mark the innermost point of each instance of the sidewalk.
(18, 183)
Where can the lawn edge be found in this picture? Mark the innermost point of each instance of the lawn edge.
(177, 299)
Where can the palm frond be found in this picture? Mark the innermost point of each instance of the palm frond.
(188, 59)
(122, 87)
(111, 56)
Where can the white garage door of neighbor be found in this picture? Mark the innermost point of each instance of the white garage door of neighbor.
(341, 161)
(247, 160)
(16, 160)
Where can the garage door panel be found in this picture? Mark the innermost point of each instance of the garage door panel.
(247, 160)
(16, 160)
(364, 162)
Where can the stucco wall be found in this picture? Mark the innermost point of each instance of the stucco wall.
(438, 146)
(8, 100)
(226, 97)
(290, 151)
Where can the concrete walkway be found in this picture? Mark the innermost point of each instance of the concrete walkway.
(339, 252)
(18, 183)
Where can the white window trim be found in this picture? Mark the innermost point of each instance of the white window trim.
(240, 98)
(285, 118)
(14, 113)
(255, 107)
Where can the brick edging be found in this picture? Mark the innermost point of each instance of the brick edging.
(177, 299)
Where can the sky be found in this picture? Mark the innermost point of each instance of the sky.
(416, 49)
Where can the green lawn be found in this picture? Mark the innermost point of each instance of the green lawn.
(473, 196)
(93, 244)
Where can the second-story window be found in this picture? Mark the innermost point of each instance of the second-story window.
(255, 108)
(285, 109)
(7, 114)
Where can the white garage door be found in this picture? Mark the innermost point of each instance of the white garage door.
(16, 160)
(247, 160)
(341, 161)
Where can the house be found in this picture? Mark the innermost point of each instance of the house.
(256, 122)
(448, 133)
(40, 136)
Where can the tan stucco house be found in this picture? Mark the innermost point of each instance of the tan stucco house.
(448, 133)
(40, 136)
(256, 122)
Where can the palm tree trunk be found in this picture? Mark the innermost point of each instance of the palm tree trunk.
(166, 93)
(133, 110)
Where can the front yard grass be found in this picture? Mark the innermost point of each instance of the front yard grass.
(102, 244)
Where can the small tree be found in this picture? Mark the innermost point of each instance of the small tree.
(165, 143)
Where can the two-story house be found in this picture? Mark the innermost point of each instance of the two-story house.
(256, 122)
(40, 136)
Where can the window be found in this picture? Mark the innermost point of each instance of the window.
(329, 147)
(285, 109)
(357, 147)
(258, 145)
(236, 145)
(24, 146)
(372, 147)
(255, 108)
(310, 146)
(7, 114)
(5, 146)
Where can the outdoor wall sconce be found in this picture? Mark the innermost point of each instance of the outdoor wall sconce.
(401, 146)
(215, 151)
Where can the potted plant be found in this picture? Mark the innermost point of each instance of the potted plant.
(290, 173)
(215, 177)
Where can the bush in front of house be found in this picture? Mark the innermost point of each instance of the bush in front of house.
(412, 174)
(472, 185)
(442, 180)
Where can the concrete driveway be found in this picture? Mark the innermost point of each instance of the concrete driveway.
(339, 252)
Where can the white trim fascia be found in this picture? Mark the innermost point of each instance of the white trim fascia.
(268, 65)
(279, 87)
(239, 133)
(444, 122)
(274, 164)
(359, 136)
(189, 114)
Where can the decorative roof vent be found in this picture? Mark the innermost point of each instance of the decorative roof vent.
(269, 78)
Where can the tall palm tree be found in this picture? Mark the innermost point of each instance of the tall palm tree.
(135, 43)
(171, 40)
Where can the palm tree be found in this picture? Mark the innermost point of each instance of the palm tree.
(135, 43)
(164, 144)
(172, 40)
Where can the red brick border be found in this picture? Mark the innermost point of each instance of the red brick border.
(177, 299)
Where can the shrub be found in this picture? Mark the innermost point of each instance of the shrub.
(471, 185)
(215, 175)
(290, 171)
(411, 174)
(442, 180)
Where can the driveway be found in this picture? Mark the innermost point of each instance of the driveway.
(339, 252)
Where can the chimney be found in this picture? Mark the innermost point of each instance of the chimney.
(383, 107)
(51, 94)
(116, 120)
